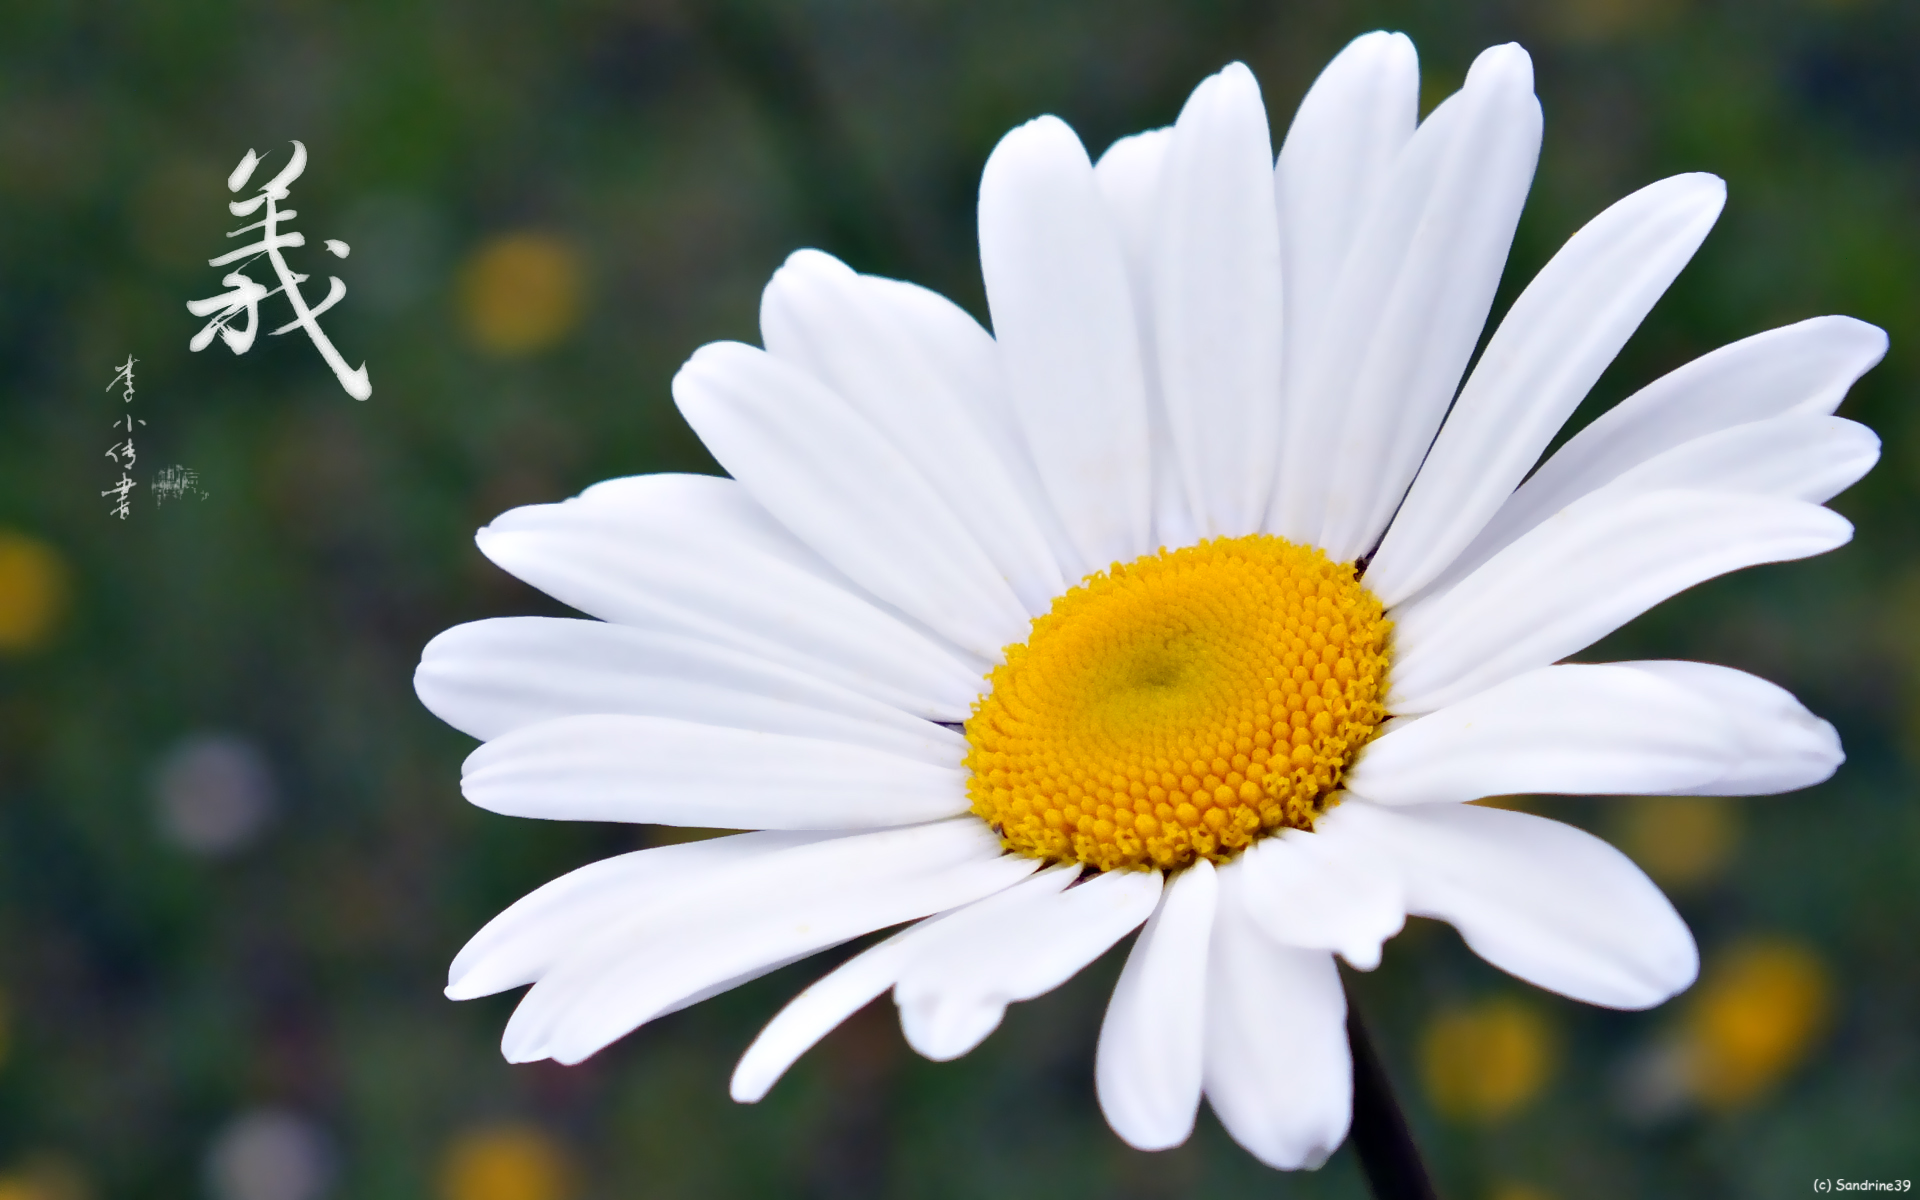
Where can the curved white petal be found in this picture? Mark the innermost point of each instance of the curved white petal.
(1596, 565)
(1782, 746)
(658, 770)
(1063, 317)
(1541, 900)
(1549, 349)
(827, 473)
(732, 922)
(1129, 176)
(1278, 1073)
(1325, 890)
(1216, 303)
(1805, 457)
(489, 678)
(1147, 1067)
(820, 1009)
(961, 351)
(1803, 370)
(538, 930)
(1572, 729)
(1411, 300)
(1336, 162)
(696, 555)
(1338, 153)
(852, 333)
(942, 1014)
(1020, 944)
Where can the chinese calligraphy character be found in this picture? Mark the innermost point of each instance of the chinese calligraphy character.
(247, 294)
(122, 453)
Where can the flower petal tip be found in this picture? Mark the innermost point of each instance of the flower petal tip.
(1506, 65)
(747, 1088)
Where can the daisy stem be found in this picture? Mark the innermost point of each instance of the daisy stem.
(1380, 1137)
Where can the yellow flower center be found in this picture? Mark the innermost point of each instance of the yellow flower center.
(1180, 706)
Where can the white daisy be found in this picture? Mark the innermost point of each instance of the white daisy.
(1192, 597)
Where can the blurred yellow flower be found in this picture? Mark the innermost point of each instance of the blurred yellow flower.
(44, 1178)
(506, 1162)
(1518, 1191)
(1486, 1061)
(1607, 20)
(33, 592)
(1760, 1008)
(520, 293)
(1680, 840)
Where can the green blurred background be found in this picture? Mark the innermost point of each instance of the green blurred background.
(234, 861)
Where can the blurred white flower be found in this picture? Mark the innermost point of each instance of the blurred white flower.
(213, 794)
(270, 1154)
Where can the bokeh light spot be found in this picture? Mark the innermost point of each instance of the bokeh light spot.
(1681, 841)
(1588, 21)
(1486, 1061)
(213, 794)
(1761, 1006)
(270, 1154)
(33, 592)
(45, 1178)
(507, 1162)
(520, 293)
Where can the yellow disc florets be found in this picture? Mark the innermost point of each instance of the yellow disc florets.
(1180, 706)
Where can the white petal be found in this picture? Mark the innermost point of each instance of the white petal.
(1333, 167)
(1596, 565)
(538, 930)
(1800, 457)
(941, 1026)
(1216, 303)
(963, 352)
(1551, 346)
(491, 677)
(1803, 369)
(1278, 1073)
(827, 474)
(758, 971)
(1063, 317)
(1129, 175)
(1411, 300)
(734, 921)
(1337, 156)
(696, 555)
(1325, 890)
(1571, 729)
(1020, 944)
(819, 1010)
(852, 333)
(1782, 746)
(658, 770)
(1544, 901)
(1147, 1068)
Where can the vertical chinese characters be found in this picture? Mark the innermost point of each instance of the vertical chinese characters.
(246, 295)
(122, 453)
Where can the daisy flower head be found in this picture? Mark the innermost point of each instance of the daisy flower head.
(1199, 597)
